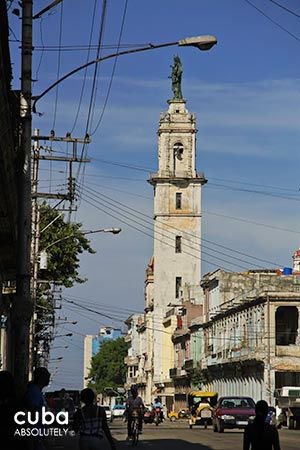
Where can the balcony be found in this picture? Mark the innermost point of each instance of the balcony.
(173, 372)
(188, 364)
(288, 350)
(131, 360)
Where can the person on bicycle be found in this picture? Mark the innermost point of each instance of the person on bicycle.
(134, 405)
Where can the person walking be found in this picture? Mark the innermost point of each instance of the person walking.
(260, 435)
(91, 422)
(8, 407)
(34, 401)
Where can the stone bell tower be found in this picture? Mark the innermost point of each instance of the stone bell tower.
(177, 207)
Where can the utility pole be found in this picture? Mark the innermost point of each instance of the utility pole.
(36, 194)
(22, 306)
(34, 248)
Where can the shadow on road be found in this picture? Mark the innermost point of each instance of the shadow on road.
(163, 444)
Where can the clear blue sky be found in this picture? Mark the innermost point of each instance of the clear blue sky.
(246, 95)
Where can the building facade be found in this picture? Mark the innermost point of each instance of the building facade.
(9, 122)
(92, 345)
(251, 342)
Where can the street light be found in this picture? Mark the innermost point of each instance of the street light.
(73, 322)
(204, 42)
(55, 359)
(59, 346)
(102, 230)
(63, 335)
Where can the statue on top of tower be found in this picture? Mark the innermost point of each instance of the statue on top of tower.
(176, 78)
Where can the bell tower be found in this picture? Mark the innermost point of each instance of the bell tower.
(177, 211)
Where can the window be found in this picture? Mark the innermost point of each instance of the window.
(178, 244)
(178, 286)
(178, 200)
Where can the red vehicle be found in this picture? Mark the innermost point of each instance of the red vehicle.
(148, 415)
(158, 415)
(233, 412)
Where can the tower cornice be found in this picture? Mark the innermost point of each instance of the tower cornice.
(169, 179)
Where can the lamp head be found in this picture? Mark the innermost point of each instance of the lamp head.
(201, 42)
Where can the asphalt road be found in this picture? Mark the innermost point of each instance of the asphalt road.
(178, 436)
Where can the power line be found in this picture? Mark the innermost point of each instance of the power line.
(92, 310)
(272, 20)
(204, 211)
(85, 70)
(94, 87)
(105, 207)
(180, 230)
(58, 62)
(272, 194)
(102, 305)
(252, 191)
(126, 166)
(285, 8)
(113, 71)
(143, 232)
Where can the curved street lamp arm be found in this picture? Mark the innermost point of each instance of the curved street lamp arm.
(95, 61)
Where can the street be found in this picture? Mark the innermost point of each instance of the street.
(177, 436)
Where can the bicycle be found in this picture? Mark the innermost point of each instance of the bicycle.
(135, 430)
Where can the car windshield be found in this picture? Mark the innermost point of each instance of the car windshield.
(240, 403)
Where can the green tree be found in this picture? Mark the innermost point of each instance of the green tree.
(108, 366)
(64, 243)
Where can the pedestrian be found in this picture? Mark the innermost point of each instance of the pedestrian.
(260, 435)
(8, 408)
(91, 422)
(34, 401)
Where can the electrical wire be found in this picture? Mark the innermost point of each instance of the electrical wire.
(157, 221)
(272, 20)
(86, 69)
(104, 208)
(273, 194)
(42, 53)
(113, 71)
(58, 63)
(204, 211)
(102, 305)
(93, 91)
(93, 311)
(285, 8)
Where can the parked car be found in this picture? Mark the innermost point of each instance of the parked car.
(108, 412)
(233, 412)
(118, 411)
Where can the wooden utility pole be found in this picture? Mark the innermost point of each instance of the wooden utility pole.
(22, 305)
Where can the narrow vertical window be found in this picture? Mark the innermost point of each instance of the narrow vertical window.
(178, 200)
(178, 244)
(178, 283)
